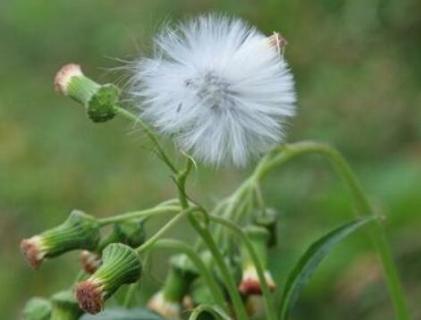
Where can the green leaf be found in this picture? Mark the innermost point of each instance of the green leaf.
(123, 314)
(308, 263)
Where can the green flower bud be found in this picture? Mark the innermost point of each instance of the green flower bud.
(99, 100)
(65, 306)
(131, 233)
(120, 265)
(250, 283)
(79, 231)
(37, 309)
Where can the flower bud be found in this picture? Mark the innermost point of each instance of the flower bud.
(98, 99)
(79, 231)
(65, 306)
(250, 283)
(168, 301)
(131, 233)
(167, 309)
(120, 265)
(37, 309)
(90, 261)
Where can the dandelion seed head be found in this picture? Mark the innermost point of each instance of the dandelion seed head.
(218, 86)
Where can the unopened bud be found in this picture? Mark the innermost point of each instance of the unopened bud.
(37, 309)
(120, 265)
(168, 301)
(250, 283)
(99, 100)
(90, 261)
(79, 231)
(131, 233)
(65, 306)
(167, 309)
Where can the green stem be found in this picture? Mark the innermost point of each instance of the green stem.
(138, 214)
(151, 135)
(151, 241)
(210, 243)
(197, 261)
(270, 310)
(363, 206)
(223, 268)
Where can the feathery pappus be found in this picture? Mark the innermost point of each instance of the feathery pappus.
(218, 86)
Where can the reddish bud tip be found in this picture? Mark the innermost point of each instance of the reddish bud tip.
(90, 297)
(31, 248)
(63, 76)
(250, 284)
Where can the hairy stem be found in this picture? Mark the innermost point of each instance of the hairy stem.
(151, 135)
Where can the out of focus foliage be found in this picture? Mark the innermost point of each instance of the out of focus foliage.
(358, 70)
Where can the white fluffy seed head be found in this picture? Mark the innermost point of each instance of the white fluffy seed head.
(219, 87)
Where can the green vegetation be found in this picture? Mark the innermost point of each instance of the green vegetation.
(358, 71)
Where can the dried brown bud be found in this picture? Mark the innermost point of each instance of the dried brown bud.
(277, 41)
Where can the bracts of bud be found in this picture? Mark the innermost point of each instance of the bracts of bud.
(250, 284)
(168, 301)
(37, 309)
(99, 100)
(79, 231)
(65, 306)
(120, 265)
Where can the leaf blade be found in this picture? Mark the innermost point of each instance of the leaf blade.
(311, 259)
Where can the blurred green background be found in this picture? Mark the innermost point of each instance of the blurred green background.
(358, 71)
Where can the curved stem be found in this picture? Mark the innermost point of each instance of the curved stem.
(270, 310)
(287, 152)
(138, 214)
(151, 135)
(197, 261)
